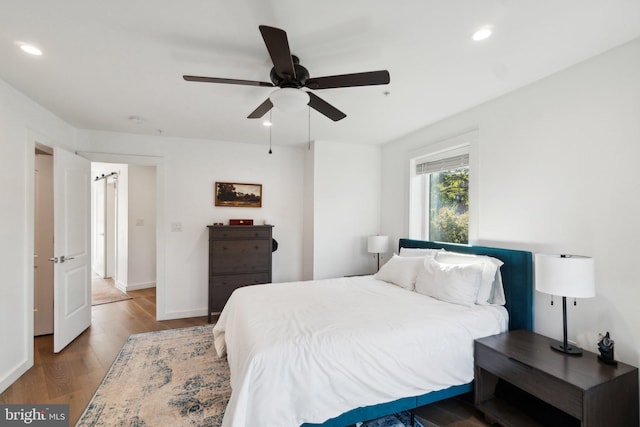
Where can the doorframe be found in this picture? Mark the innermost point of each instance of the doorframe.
(109, 203)
(158, 162)
(34, 139)
(39, 245)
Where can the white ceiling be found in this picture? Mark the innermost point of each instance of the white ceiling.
(105, 61)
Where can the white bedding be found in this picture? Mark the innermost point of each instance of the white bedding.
(309, 351)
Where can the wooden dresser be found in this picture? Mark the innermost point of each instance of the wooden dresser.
(238, 256)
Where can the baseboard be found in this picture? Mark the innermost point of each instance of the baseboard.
(138, 286)
(134, 287)
(14, 374)
(182, 314)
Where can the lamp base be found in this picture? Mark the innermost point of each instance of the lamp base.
(570, 349)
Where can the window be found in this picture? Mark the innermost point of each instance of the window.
(440, 197)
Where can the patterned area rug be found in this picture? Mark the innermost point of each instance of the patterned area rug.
(401, 419)
(172, 378)
(166, 378)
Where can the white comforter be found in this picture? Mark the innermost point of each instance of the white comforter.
(310, 351)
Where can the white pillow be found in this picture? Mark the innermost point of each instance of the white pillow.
(454, 283)
(491, 289)
(419, 252)
(400, 271)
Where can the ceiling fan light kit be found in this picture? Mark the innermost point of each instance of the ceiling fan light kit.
(289, 100)
(288, 75)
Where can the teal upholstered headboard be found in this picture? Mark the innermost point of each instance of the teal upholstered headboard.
(517, 276)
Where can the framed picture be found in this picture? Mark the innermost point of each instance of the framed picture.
(239, 195)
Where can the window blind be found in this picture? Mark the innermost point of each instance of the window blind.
(455, 162)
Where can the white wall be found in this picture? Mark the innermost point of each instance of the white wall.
(122, 228)
(22, 123)
(308, 222)
(556, 172)
(346, 208)
(142, 227)
(186, 172)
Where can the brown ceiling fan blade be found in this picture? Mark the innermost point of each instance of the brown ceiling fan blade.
(368, 78)
(278, 46)
(322, 106)
(226, 81)
(261, 110)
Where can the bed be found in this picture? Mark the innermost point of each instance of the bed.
(340, 351)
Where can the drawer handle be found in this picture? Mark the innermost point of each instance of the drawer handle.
(524, 365)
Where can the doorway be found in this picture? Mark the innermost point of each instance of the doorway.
(61, 268)
(124, 225)
(104, 218)
(129, 237)
(43, 243)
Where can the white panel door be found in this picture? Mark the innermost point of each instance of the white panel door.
(72, 253)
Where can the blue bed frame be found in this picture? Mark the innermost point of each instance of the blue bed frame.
(517, 278)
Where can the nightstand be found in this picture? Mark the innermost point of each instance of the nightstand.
(520, 381)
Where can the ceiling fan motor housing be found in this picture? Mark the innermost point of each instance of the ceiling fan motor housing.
(302, 74)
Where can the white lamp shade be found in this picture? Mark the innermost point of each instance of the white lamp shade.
(378, 244)
(289, 99)
(565, 275)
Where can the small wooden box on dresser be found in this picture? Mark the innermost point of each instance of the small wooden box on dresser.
(543, 387)
(238, 256)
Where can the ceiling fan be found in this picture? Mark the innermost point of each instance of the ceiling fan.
(288, 75)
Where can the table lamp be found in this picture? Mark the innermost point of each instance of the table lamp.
(378, 245)
(566, 276)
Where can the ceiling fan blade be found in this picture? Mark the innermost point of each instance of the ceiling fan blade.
(261, 110)
(323, 107)
(227, 81)
(368, 78)
(278, 46)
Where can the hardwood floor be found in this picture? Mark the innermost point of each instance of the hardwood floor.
(454, 412)
(73, 375)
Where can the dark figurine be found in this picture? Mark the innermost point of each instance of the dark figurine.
(605, 346)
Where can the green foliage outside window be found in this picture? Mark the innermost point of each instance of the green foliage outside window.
(449, 206)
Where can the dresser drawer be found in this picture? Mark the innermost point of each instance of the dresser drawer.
(235, 265)
(231, 257)
(237, 280)
(554, 391)
(221, 287)
(240, 248)
(235, 234)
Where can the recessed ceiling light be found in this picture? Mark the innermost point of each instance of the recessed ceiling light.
(482, 34)
(266, 123)
(31, 49)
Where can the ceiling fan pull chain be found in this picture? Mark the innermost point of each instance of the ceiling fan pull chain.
(309, 128)
(270, 126)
